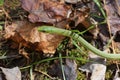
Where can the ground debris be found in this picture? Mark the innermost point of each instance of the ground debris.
(113, 13)
(70, 69)
(97, 68)
(21, 19)
(26, 34)
(45, 10)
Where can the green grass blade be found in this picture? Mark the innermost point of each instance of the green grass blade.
(49, 59)
(62, 67)
(98, 3)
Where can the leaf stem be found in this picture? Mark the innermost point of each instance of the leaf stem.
(76, 37)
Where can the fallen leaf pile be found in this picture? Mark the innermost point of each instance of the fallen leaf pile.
(45, 10)
(49, 12)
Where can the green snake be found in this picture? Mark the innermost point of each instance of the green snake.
(74, 36)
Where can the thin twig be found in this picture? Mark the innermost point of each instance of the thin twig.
(44, 73)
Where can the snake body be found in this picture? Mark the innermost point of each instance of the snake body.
(76, 37)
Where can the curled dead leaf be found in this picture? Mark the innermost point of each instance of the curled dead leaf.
(26, 34)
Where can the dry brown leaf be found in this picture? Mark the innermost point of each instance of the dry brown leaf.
(79, 17)
(47, 11)
(26, 34)
(24, 53)
(80, 14)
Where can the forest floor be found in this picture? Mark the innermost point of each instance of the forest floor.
(29, 54)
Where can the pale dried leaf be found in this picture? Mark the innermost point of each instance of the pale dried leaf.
(12, 74)
(97, 67)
